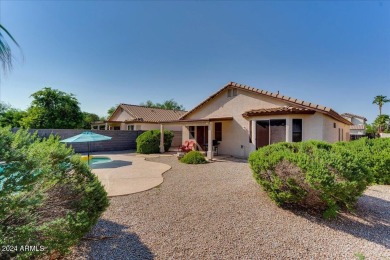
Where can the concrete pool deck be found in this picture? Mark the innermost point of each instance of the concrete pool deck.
(128, 173)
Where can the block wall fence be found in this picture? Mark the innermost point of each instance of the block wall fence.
(121, 140)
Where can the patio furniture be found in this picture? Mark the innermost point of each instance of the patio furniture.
(215, 147)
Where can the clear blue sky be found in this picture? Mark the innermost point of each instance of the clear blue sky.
(331, 53)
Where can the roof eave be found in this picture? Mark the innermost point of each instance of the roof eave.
(252, 114)
(293, 101)
(206, 120)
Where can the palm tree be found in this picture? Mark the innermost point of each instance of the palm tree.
(5, 50)
(380, 101)
(382, 122)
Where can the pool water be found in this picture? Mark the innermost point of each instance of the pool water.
(98, 160)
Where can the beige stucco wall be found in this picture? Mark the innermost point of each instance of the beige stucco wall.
(235, 137)
(121, 115)
(149, 126)
(224, 106)
(331, 134)
(235, 133)
(146, 127)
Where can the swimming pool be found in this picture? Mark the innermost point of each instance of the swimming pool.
(100, 159)
(96, 159)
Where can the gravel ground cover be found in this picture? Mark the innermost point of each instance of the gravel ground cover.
(218, 211)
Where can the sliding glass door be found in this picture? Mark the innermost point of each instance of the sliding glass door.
(270, 132)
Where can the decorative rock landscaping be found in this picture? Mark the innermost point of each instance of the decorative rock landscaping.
(218, 211)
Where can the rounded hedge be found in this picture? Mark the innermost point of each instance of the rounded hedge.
(193, 157)
(149, 141)
(375, 154)
(310, 174)
(49, 197)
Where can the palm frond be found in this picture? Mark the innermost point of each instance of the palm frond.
(9, 35)
(5, 50)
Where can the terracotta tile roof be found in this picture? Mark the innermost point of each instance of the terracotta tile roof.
(203, 120)
(357, 127)
(278, 111)
(349, 115)
(150, 115)
(293, 101)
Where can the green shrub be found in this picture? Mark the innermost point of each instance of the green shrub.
(49, 197)
(193, 157)
(310, 174)
(375, 154)
(149, 141)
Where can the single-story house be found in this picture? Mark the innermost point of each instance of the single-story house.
(241, 118)
(134, 117)
(358, 129)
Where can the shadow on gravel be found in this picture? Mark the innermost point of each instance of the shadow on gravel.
(110, 240)
(370, 221)
(111, 165)
(229, 159)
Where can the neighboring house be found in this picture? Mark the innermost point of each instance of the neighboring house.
(133, 117)
(358, 129)
(241, 119)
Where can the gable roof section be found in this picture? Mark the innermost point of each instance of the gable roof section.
(292, 101)
(349, 115)
(149, 114)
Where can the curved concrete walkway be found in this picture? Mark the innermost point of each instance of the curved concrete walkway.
(128, 174)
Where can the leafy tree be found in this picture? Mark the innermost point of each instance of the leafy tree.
(382, 123)
(371, 129)
(3, 107)
(111, 110)
(52, 108)
(5, 50)
(168, 104)
(12, 117)
(380, 101)
(148, 103)
(88, 118)
(172, 105)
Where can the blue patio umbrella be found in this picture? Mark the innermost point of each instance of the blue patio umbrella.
(86, 137)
